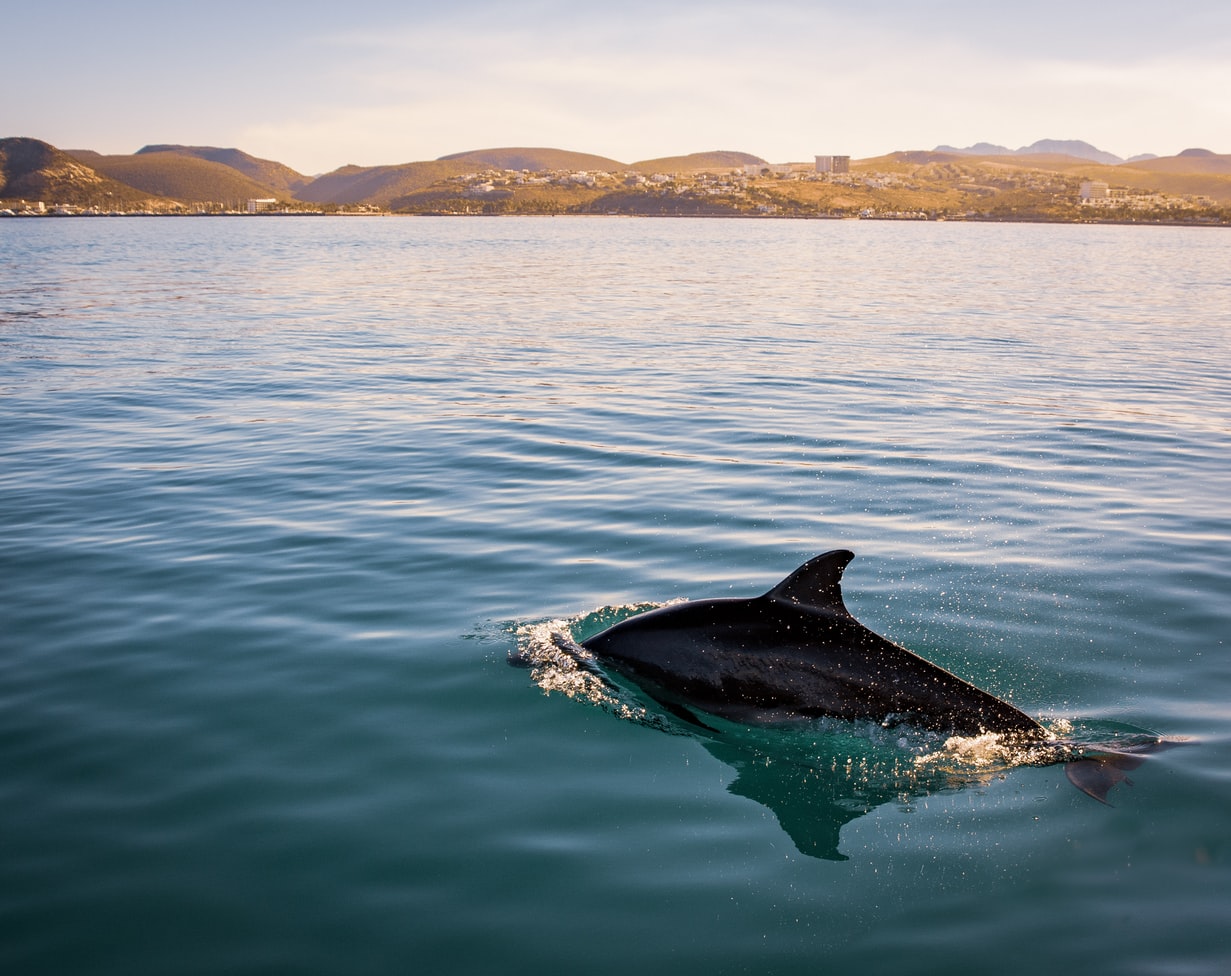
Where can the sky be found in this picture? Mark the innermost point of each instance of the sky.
(320, 85)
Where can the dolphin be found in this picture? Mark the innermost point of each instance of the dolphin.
(796, 652)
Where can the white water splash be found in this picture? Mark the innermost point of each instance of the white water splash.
(992, 751)
(561, 665)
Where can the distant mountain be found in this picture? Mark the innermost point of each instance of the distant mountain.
(181, 177)
(978, 149)
(34, 170)
(1069, 147)
(535, 160)
(716, 160)
(284, 180)
(1044, 147)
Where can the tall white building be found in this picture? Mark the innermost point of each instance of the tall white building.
(833, 164)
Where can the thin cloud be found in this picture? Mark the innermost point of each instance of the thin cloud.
(634, 80)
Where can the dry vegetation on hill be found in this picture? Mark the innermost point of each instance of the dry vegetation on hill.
(380, 186)
(535, 160)
(277, 176)
(182, 177)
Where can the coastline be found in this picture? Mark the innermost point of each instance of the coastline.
(1197, 220)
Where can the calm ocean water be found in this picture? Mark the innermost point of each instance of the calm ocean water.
(280, 497)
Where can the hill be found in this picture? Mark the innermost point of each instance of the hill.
(1191, 161)
(181, 177)
(379, 186)
(1198, 174)
(994, 185)
(536, 160)
(719, 160)
(277, 176)
(905, 161)
(1185, 176)
(34, 170)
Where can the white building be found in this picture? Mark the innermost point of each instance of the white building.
(833, 164)
(256, 206)
(1094, 190)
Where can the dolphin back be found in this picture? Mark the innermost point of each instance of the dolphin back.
(795, 651)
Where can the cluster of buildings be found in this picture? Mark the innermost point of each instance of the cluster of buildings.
(482, 184)
(1096, 193)
(495, 184)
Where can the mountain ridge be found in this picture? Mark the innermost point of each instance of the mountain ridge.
(176, 177)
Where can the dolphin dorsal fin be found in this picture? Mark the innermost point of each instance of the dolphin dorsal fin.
(816, 584)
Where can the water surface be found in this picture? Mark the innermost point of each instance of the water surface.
(278, 497)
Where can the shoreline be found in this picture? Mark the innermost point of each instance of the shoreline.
(892, 218)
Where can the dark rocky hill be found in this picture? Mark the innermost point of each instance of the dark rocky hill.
(33, 170)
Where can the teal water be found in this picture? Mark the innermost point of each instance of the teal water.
(280, 497)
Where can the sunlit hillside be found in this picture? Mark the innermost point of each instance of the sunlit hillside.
(950, 184)
(379, 186)
(697, 162)
(33, 170)
(181, 177)
(534, 160)
(277, 176)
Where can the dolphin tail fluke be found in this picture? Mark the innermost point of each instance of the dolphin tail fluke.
(1098, 773)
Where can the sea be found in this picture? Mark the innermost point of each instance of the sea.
(294, 510)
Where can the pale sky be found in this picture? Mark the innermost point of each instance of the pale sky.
(319, 85)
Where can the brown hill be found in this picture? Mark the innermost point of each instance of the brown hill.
(275, 175)
(1197, 175)
(182, 177)
(1192, 161)
(34, 170)
(719, 161)
(896, 160)
(1176, 175)
(378, 186)
(536, 160)
(1057, 162)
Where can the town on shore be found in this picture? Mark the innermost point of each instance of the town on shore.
(1072, 182)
